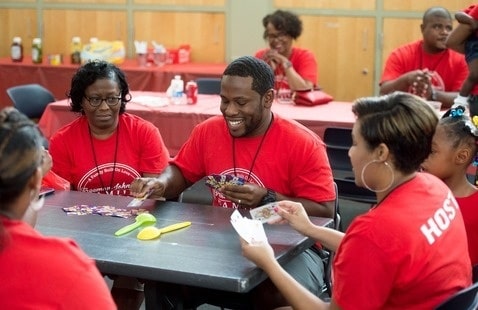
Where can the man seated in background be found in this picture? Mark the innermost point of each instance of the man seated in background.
(427, 67)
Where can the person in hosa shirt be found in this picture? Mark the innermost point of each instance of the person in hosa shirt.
(410, 250)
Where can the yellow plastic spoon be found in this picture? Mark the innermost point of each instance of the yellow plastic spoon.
(152, 232)
(143, 218)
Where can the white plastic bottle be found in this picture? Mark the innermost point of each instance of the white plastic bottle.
(177, 90)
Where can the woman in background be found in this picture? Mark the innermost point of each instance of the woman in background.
(37, 271)
(294, 68)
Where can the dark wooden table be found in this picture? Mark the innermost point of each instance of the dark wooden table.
(206, 254)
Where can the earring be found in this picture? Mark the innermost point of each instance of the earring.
(368, 187)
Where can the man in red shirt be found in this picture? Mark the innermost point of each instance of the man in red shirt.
(427, 67)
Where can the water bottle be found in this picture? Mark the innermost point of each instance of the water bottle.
(177, 90)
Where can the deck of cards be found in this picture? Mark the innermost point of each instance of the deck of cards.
(265, 213)
(216, 181)
(249, 230)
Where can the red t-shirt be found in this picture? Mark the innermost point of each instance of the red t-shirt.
(47, 273)
(139, 149)
(292, 160)
(304, 64)
(409, 252)
(449, 67)
(469, 209)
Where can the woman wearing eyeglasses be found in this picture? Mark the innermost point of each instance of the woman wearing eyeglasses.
(105, 149)
(294, 68)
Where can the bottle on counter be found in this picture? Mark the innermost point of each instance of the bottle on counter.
(76, 50)
(177, 90)
(16, 50)
(37, 52)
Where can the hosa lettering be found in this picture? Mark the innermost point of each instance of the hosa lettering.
(441, 220)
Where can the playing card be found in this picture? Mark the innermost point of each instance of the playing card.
(217, 180)
(248, 229)
(137, 202)
(265, 213)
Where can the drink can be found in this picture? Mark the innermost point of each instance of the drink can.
(192, 92)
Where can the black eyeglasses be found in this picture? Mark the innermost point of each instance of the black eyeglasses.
(278, 36)
(96, 101)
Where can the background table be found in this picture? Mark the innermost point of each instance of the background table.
(58, 78)
(207, 254)
(175, 122)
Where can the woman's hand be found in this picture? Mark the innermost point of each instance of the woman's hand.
(260, 253)
(47, 162)
(151, 186)
(274, 59)
(295, 214)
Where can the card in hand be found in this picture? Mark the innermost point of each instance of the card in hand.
(248, 229)
(265, 213)
(218, 180)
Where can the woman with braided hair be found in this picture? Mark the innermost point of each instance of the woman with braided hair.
(37, 271)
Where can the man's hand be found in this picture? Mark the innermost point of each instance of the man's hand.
(419, 83)
(248, 195)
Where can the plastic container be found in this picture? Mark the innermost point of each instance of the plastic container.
(37, 51)
(177, 90)
(16, 50)
(75, 50)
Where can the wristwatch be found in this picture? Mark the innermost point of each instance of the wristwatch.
(269, 197)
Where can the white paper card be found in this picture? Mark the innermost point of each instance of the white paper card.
(248, 229)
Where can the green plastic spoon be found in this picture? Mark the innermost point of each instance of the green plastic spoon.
(143, 218)
(152, 232)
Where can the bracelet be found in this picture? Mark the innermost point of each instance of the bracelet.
(434, 94)
(286, 65)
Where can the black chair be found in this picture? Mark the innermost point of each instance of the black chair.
(209, 86)
(197, 193)
(328, 259)
(338, 142)
(30, 99)
(466, 299)
(475, 273)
